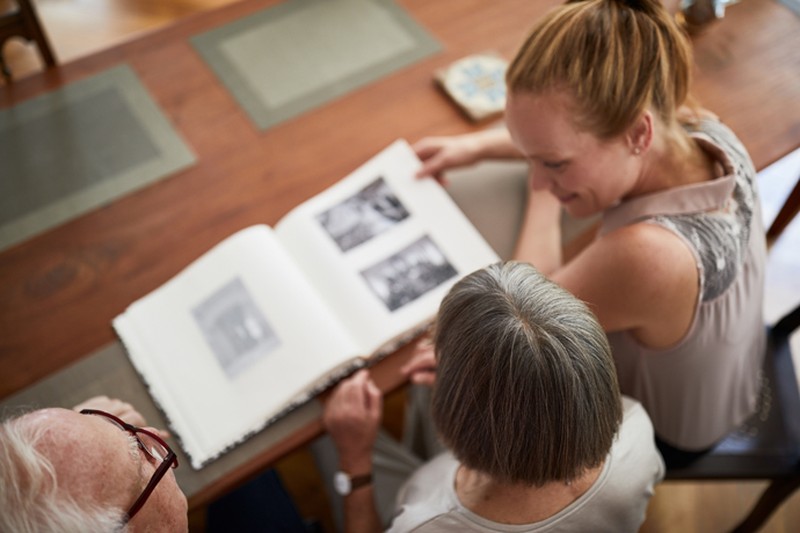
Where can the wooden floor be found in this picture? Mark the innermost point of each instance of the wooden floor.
(80, 27)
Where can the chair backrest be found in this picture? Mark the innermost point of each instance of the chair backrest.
(767, 446)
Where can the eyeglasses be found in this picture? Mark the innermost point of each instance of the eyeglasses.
(153, 445)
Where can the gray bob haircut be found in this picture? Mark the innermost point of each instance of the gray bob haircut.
(30, 497)
(526, 389)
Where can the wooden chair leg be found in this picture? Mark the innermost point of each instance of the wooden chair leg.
(4, 70)
(790, 208)
(23, 22)
(770, 500)
(34, 27)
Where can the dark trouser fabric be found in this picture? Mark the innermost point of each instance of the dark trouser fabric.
(262, 505)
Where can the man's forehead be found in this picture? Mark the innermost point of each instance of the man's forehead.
(89, 454)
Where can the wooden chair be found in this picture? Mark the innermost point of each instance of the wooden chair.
(767, 446)
(23, 22)
(790, 208)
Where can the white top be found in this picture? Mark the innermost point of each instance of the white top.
(616, 502)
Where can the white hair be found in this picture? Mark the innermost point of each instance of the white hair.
(29, 494)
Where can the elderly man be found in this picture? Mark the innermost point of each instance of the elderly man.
(93, 469)
(65, 470)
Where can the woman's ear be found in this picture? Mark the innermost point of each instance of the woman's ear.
(640, 134)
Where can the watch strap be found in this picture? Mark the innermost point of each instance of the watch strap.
(360, 481)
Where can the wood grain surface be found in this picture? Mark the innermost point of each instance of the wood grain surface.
(60, 290)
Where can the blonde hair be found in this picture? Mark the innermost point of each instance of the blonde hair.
(617, 58)
(30, 497)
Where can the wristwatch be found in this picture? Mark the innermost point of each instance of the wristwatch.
(344, 483)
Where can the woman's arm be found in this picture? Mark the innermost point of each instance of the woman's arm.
(439, 154)
(539, 241)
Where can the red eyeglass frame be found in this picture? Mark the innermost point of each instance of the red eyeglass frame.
(170, 461)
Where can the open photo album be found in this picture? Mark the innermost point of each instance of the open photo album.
(270, 317)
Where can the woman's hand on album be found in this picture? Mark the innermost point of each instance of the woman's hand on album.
(439, 154)
(352, 416)
(421, 368)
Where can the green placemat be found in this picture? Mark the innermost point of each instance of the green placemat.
(80, 147)
(300, 54)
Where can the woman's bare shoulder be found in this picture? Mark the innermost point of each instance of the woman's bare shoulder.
(624, 271)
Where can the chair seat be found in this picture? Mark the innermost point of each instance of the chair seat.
(767, 445)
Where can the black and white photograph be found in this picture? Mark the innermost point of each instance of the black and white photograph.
(408, 274)
(370, 212)
(234, 328)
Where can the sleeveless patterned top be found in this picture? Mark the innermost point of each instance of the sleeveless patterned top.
(705, 385)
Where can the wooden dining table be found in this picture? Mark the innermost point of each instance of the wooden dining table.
(59, 290)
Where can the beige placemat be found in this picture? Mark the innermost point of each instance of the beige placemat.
(80, 147)
(300, 54)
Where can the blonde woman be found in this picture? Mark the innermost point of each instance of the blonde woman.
(598, 106)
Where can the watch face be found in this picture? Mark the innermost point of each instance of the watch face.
(341, 482)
